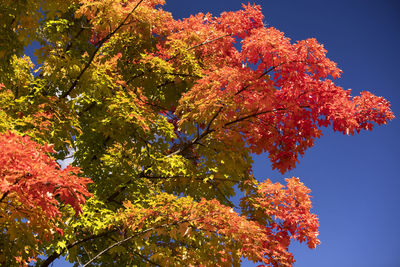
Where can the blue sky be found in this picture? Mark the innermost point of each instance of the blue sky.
(354, 179)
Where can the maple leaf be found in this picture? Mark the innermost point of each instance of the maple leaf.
(163, 115)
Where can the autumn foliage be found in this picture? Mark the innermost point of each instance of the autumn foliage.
(35, 179)
(33, 187)
(160, 118)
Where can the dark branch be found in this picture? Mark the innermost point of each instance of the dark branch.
(208, 41)
(4, 196)
(70, 43)
(252, 115)
(201, 44)
(199, 137)
(189, 177)
(55, 255)
(268, 71)
(98, 46)
(135, 235)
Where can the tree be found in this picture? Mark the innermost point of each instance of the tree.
(163, 116)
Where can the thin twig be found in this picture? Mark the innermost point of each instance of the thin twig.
(208, 41)
(133, 236)
(55, 255)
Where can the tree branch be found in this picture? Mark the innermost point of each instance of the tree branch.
(70, 43)
(209, 130)
(201, 44)
(268, 71)
(208, 41)
(136, 235)
(256, 114)
(189, 177)
(252, 115)
(55, 255)
(4, 196)
(198, 138)
(215, 186)
(98, 46)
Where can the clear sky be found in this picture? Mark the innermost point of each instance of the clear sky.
(354, 179)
